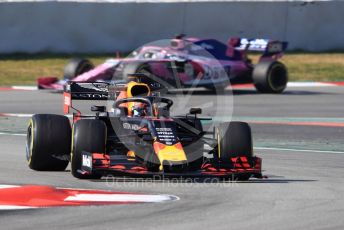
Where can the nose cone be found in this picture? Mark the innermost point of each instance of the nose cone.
(170, 155)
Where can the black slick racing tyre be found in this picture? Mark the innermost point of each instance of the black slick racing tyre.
(234, 140)
(48, 142)
(143, 71)
(145, 74)
(270, 77)
(89, 136)
(135, 68)
(75, 67)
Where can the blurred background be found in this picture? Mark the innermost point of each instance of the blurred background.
(45, 34)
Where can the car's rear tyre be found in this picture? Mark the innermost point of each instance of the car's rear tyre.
(89, 136)
(234, 140)
(77, 66)
(270, 77)
(135, 68)
(48, 142)
(143, 69)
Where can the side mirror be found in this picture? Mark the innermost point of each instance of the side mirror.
(97, 108)
(195, 111)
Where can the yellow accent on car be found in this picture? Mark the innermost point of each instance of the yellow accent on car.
(137, 89)
(218, 142)
(169, 152)
(131, 154)
(32, 139)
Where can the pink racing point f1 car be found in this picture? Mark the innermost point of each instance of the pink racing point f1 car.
(189, 62)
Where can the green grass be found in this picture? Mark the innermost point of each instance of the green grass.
(23, 69)
(315, 67)
(20, 69)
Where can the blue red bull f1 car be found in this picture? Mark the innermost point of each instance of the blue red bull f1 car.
(137, 137)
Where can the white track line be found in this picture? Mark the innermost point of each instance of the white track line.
(24, 115)
(22, 87)
(298, 150)
(16, 115)
(121, 198)
(309, 84)
(14, 207)
(13, 134)
(8, 186)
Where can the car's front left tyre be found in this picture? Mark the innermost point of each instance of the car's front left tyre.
(76, 67)
(234, 140)
(89, 136)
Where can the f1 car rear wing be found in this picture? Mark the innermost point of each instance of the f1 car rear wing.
(269, 47)
(102, 91)
(87, 90)
(93, 91)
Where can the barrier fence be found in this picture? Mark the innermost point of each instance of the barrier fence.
(123, 25)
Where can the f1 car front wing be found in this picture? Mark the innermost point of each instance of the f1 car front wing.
(121, 165)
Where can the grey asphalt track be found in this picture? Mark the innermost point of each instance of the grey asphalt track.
(304, 189)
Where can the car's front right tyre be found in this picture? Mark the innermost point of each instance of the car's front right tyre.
(48, 142)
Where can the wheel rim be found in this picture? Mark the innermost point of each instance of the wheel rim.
(278, 78)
